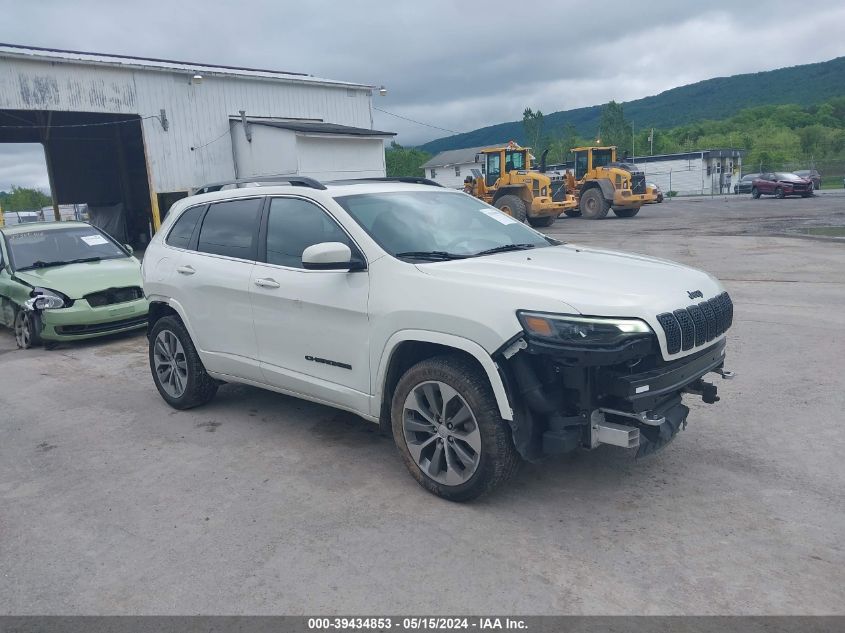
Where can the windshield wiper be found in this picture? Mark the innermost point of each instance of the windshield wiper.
(431, 255)
(60, 262)
(504, 249)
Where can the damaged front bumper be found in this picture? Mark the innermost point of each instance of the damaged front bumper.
(564, 399)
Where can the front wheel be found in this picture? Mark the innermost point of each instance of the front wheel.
(755, 193)
(542, 222)
(593, 205)
(513, 205)
(178, 372)
(626, 213)
(26, 330)
(448, 430)
(779, 193)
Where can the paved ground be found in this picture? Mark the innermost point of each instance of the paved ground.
(110, 502)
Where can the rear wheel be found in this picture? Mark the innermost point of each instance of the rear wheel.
(626, 213)
(593, 205)
(448, 430)
(755, 193)
(514, 206)
(547, 220)
(779, 192)
(178, 372)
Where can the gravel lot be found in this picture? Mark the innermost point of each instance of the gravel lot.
(113, 503)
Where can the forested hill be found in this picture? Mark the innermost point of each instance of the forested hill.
(710, 99)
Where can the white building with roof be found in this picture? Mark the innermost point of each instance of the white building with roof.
(138, 133)
(449, 168)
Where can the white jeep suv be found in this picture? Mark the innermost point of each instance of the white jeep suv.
(475, 339)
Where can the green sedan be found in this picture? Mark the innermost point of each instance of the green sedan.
(66, 281)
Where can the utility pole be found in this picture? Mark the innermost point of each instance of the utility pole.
(632, 142)
(651, 143)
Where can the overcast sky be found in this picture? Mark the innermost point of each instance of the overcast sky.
(456, 65)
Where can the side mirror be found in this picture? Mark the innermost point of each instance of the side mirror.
(129, 248)
(329, 256)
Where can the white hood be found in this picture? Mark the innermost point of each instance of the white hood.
(585, 280)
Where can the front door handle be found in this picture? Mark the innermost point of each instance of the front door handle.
(267, 283)
(186, 270)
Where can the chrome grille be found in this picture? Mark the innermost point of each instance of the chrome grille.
(696, 324)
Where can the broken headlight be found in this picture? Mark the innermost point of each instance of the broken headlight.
(46, 299)
(566, 329)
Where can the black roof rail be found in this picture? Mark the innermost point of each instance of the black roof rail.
(414, 180)
(296, 181)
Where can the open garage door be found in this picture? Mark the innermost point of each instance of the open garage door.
(92, 158)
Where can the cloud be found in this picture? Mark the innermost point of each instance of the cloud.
(22, 164)
(456, 65)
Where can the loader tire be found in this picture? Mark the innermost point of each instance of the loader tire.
(514, 206)
(626, 213)
(544, 221)
(593, 205)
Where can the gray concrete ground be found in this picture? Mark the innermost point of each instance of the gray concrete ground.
(112, 503)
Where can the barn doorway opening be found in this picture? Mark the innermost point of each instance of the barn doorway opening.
(92, 158)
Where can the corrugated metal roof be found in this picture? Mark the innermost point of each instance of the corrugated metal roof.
(456, 156)
(315, 127)
(154, 64)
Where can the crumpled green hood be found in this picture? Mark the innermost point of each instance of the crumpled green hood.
(77, 280)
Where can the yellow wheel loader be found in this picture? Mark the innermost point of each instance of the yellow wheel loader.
(601, 183)
(509, 184)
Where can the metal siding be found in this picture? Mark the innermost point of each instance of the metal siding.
(196, 114)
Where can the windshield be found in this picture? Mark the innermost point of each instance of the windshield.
(787, 177)
(55, 247)
(450, 225)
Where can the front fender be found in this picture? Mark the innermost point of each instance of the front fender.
(448, 340)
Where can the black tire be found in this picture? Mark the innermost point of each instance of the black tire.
(755, 193)
(26, 329)
(659, 198)
(542, 222)
(573, 213)
(498, 458)
(200, 387)
(513, 205)
(593, 205)
(736, 190)
(779, 193)
(626, 213)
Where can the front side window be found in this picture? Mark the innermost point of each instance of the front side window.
(602, 157)
(295, 224)
(514, 160)
(230, 228)
(183, 229)
(426, 225)
(580, 165)
(56, 247)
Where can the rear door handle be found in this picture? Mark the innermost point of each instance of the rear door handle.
(267, 283)
(186, 270)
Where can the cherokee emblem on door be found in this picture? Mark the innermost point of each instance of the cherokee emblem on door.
(695, 294)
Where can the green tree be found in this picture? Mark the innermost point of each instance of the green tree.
(532, 124)
(24, 199)
(614, 129)
(404, 161)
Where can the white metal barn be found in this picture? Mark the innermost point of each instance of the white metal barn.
(142, 133)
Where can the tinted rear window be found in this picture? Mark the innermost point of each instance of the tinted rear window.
(230, 228)
(183, 229)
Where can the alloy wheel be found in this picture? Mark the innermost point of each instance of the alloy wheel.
(23, 334)
(441, 433)
(171, 367)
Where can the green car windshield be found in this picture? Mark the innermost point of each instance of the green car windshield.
(435, 225)
(57, 247)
